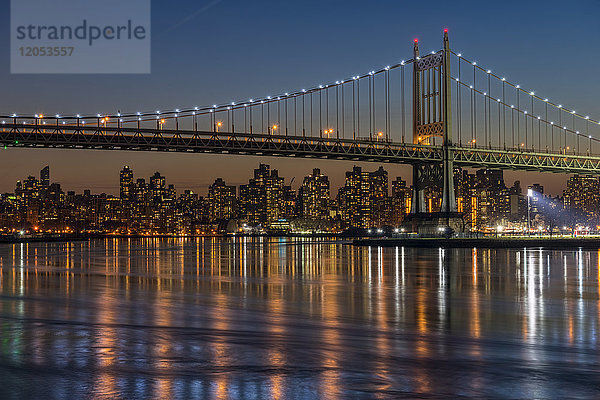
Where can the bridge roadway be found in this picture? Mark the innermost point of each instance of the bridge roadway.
(165, 140)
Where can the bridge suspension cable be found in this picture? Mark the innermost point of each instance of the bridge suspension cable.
(522, 119)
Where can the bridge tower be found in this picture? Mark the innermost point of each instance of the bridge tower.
(432, 118)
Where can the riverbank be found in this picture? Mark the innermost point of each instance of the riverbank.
(492, 243)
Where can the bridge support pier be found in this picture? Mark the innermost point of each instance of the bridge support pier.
(432, 117)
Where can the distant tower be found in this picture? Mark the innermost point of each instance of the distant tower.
(45, 177)
(126, 184)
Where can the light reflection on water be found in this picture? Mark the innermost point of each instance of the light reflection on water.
(295, 318)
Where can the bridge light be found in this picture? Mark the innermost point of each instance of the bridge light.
(532, 93)
(416, 40)
(459, 54)
(177, 110)
(418, 58)
(303, 90)
(577, 132)
(41, 116)
(551, 123)
(587, 117)
(219, 124)
(57, 116)
(268, 97)
(388, 67)
(78, 116)
(573, 112)
(590, 136)
(474, 63)
(503, 79)
(138, 113)
(158, 112)
(456, 79)
(471, 86)
(196, 108)
(337, 82)
(560, 106)
(432, 52)
(285, 94)
(485, 93)
(511, 106)
(445, 30)
(489, 71)
(525, 112)
(233, 103)
(402, 62)
(498, 100)
(320, 86)
(98, 115)
(538, 117)
(518, 86)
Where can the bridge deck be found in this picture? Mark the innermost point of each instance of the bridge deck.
(134, 139)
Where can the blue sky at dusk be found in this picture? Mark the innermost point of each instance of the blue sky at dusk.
(206, 52)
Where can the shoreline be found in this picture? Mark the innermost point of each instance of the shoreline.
(491, 243)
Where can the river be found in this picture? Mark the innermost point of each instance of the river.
(286, 318)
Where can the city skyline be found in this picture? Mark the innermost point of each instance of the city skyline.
(267, 204)
(293, 179)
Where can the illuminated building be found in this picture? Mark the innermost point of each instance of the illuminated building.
(401, 199)
(314, 196)
(126, 184)
(582, 198)
(221, 200)
(364, 198)
(262, 200)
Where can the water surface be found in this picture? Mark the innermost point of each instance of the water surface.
(295, 318)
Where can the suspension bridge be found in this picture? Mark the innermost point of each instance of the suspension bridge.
(432, 111)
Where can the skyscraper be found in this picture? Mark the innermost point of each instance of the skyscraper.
(314, 195)
(222, 200)
(126, 184)
(582, 197)
(262, 200)
(45, 178)
(364, 198)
